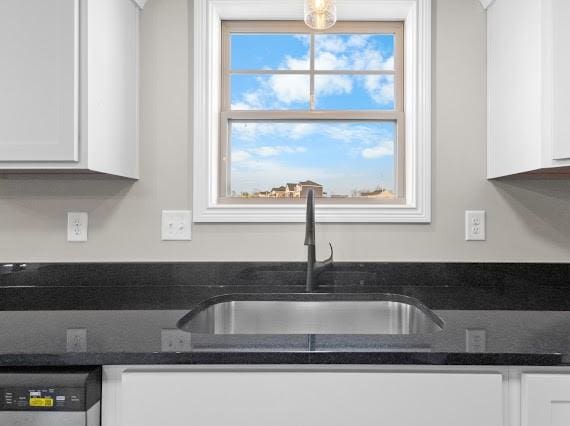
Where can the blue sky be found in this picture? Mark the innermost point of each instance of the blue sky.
(343, 156)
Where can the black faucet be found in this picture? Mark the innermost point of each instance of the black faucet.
(314, 268)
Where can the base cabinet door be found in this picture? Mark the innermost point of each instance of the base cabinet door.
(545, 399)
(309, 398)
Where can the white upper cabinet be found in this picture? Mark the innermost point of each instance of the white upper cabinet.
(528, 87)
(69, 86)
(39, 77)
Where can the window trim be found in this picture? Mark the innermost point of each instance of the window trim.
(208, 17)
(396, 115)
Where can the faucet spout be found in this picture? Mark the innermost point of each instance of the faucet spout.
(314, 267)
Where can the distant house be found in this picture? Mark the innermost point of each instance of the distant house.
(379, 193)
(291, 190)
(303, 188)
(387, 195)
(278, 192)
(372, 193)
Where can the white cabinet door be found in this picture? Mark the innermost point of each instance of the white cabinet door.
(320, 398)
(561, 82)
(545, 400)
(39, 42)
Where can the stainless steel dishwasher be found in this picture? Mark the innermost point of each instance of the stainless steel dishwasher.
(50, 397)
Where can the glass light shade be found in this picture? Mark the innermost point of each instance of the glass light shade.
(320, 14)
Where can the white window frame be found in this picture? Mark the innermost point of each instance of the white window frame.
(208, 17)
(395, 115)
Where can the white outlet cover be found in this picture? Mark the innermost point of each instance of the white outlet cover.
(476, 340)
(76, 340)
(77, 225)
(475, 225)
(176, 225)
(174, 340)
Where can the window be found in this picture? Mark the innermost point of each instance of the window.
(307, 110)
(264, 126)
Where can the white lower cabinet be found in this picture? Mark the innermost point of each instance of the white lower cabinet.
(335, 395)
(277, 397)
(545, 399)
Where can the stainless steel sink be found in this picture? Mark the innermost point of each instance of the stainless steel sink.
(311, 314)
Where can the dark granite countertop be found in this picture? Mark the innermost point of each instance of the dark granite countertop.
(524, 309)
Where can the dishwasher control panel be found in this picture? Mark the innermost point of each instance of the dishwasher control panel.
(42, 399)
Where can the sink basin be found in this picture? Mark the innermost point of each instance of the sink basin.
(311, 314)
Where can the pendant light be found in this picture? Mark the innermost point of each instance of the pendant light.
(320, 14)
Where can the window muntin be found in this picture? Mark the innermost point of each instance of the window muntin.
(328, 106)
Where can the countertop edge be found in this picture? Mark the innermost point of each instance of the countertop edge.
(284, 358)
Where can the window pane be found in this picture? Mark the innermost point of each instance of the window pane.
(354, 52)
(270, 92)
(270, 51)
(354, 92)
(281, 159)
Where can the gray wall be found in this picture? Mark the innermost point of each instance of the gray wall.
(528, 220)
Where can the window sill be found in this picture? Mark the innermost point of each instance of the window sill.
(332, 213)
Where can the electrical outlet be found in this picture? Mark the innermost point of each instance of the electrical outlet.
(173, 340)
(76, 340)
(475, 225)
(176, 225)
(77, 226)
(476, 340)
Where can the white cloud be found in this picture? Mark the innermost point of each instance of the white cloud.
(360, 135)
(357, 52)
(389, 63)
(241, 106)
(289, 89)
(300, 130)
(303, 38)
(249, 132)
(333, 52)
(263, 165)
(253, 132)
(326, 85)
(384, 149)
(331, 61)
(302, 64)
(239, 156)
(272, 151)
(358, 40)
(380, 88)
(330, 43)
